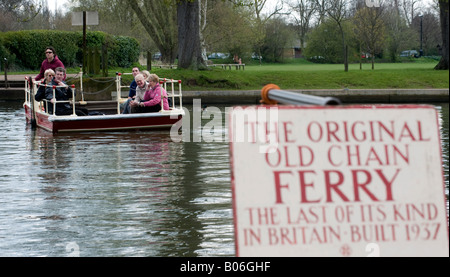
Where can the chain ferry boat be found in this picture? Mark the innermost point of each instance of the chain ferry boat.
(105, 115)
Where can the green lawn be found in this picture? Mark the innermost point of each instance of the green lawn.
(313, 76)
(306, 75)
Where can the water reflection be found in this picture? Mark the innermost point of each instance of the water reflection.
(116, 193)
(112, 194)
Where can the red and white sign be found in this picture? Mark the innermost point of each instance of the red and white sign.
(339, 181)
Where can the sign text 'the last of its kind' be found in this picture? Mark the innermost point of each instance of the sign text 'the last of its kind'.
(341, 181)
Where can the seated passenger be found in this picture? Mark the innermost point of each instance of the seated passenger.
(61, 93)
(125, 106)
(146, 74)
(133, 85)
(141, 88)
(48, 77)
(152, 97)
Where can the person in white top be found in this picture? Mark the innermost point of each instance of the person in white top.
(141, 88)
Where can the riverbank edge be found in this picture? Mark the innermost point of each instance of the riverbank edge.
(345, 95)
(253, 96)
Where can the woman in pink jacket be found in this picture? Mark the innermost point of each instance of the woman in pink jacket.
(152, 97)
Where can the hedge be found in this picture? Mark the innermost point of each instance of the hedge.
(27, 47)
(125, 51)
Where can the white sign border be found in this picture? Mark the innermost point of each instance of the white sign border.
(347, 107)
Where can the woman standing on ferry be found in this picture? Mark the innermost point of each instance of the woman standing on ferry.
(51, 62)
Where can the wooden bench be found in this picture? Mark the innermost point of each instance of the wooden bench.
(171, 66)
(225, 66)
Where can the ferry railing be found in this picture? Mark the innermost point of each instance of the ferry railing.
(44, 103)
(81, 86)
(172, 83)
(54, 101)
(30, 89)
(29, 102)
(27, 91)
(119, 87)
(162, 81)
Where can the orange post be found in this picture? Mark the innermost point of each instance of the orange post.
(265, 94)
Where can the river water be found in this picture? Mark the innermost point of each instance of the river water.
(117, 193)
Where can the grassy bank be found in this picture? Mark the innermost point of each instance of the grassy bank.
(305, 75)
(313, 76)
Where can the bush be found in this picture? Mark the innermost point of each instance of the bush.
(325, 43)
(4, 54)
(28, 47)
(95, 39)
(124, 52)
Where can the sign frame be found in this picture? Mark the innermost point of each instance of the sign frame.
(268, 213)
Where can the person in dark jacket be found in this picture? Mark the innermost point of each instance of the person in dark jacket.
(133, 85)
(48, 77)
(62, 92)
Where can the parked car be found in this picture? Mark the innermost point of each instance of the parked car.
(409, 53)
(157, 56)
(217, 56)
(316, 59)
(255, 56)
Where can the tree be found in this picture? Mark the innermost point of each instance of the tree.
(304, 10)
(427, 26)
(398, 33)
(278, 37)
(337, 10)
(17, 11)
(159, 20)
(321, 11)
(229, 28)
(189, 36)
(260, 20)
(114, 17)
(370, 29)
(203, 13)
(173, 25)
(324, 43)
(409, 10)
(443, 14)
